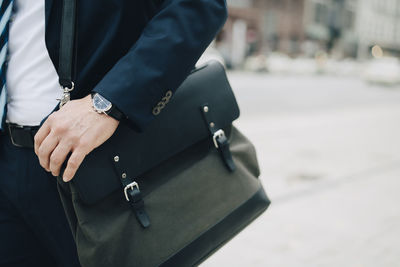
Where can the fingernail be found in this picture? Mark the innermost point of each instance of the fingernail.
(65, 179)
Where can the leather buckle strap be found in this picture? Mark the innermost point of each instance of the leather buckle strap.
(133, 195)
(219, 138)
(135, 199)
(22, 136)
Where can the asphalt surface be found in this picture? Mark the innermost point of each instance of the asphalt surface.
(329, 151)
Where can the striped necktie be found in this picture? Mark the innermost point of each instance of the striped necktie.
(5, 14)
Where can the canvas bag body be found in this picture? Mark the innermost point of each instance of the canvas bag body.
(198, 188)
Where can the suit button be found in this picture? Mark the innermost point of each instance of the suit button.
(168, 94)
(156, 111)
(161, 105)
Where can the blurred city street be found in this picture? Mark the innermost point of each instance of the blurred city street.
(329, 150)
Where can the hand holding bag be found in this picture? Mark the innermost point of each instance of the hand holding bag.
(169, 196)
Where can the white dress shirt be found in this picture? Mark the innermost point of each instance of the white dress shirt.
(32, 81)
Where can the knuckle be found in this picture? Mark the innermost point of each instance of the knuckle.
(36, 138)
(55, 160)
(52, 117)
(84, 144)
(73, 164)
(73, 139)
(41, 152)
(60, 128)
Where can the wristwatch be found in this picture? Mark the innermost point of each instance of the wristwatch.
(103, 106)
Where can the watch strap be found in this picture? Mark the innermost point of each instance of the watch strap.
(115, 113)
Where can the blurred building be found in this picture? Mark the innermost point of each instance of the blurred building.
(378, 23)
(241, 33)
(282, 25)
(331, 25)
(262, 26)
(342, 28)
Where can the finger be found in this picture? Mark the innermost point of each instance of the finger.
(46, 149)
(74, 162)
(40, 136)
(58, 157)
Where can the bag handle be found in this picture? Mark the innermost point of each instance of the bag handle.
(66, 53)
(67, 40)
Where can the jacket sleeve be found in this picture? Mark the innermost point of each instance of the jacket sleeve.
(164, 55)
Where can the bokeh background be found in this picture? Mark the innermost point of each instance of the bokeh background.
(318, 84)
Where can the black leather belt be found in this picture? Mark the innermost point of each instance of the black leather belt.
(22, 136)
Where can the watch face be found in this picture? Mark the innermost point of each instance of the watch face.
(101, 104)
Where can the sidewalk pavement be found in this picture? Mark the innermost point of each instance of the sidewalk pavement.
(334, 180)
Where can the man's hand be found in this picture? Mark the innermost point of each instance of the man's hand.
(77, 129)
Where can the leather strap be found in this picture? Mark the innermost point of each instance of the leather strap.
(225, 152)
(67, 43)
(115, 113)
(137, 204)
(132, 194)
(219, 138)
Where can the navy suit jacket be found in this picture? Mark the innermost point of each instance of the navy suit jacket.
(132, 52)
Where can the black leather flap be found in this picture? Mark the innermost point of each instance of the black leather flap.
(179, 126)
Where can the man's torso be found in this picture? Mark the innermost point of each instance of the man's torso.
(106, 31)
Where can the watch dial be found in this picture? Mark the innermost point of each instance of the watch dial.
(100, 103)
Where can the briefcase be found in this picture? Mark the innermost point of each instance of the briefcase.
(172, 194)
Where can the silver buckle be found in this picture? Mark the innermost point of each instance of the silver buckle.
(130, 186)
(218, 134)
(11, 133)
(66, 97)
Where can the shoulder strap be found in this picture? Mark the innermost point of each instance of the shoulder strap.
(67, 40)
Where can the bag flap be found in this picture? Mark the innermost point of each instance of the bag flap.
(179, 126)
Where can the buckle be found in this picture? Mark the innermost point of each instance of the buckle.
(218, 134)
(66, 97)
(12, 135)
(11, 128)
(130, 186)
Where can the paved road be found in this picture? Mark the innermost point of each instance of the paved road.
(329, 150)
